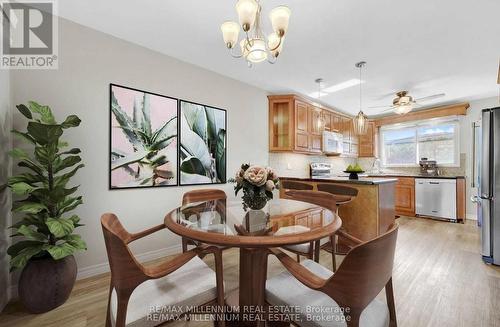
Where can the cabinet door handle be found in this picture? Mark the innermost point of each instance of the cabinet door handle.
(436, 183)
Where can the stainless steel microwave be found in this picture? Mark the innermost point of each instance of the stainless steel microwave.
(332, 143)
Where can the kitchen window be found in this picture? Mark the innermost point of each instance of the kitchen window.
(436, 139)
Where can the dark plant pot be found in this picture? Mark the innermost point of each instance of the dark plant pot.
(353, 176)
(254, 200)
(46, 283)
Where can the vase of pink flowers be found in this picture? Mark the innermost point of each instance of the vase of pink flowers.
(257, 183)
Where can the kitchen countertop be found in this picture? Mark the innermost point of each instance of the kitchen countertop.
(362, 180)
(416, 176)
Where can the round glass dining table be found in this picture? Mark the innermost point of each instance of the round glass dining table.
(228, 223)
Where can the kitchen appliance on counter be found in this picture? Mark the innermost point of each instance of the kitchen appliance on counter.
(488, 199)
(436, 198)
(428, 167)
(332, 143)
(319, 169)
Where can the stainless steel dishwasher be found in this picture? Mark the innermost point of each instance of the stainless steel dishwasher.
(436, 198)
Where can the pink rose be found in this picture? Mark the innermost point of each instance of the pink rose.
(256, 175)
(270, 185)
(271, 175)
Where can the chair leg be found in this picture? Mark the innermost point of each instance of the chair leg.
(298, 258)
(316, 250)
(389, 294)
(334, 246)
(108, 313)
(121, 312)
(184, 244)
(220, 287)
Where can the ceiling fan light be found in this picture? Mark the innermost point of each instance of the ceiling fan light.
(280, 16)
(230, 33)
(247, 12)
(403, 109)
(360, 123)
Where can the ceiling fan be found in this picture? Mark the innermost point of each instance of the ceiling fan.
(404, 103)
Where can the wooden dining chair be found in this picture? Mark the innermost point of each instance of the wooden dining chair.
(136, 289)
(343, 195)
(365, 271)
(200, 196)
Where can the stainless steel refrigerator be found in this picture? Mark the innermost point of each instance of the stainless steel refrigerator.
(489, 185)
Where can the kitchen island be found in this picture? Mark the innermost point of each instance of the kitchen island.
(369, 214)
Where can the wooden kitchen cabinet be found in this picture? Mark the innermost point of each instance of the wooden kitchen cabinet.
(405, 196)
(367, 142)
(296, 125)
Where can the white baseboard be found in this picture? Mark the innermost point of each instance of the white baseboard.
(471, 216)
(101, 268)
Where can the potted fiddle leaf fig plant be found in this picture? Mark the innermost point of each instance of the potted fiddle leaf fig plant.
(46, 226)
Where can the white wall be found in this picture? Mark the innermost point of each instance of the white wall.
(89, 61)
(5, 170)
(473, 114)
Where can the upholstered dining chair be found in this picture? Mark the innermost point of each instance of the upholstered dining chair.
(136, 289)
(343, 195)
(199, 196)
(349, 294)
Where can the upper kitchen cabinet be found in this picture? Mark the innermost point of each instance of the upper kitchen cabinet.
(367, 142)
(295, 125)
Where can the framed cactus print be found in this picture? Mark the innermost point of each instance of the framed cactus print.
(202, 144)
(143, 146)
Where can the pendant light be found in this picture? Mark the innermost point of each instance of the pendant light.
(360, 122)
(321, 120)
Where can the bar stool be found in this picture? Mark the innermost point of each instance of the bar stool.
(343, 195)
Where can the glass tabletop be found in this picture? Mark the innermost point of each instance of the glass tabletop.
(279, 217)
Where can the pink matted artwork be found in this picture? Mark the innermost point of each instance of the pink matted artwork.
(143, 139)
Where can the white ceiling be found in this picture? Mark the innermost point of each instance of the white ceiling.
(426, 46)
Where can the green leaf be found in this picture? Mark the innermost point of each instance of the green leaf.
(22, 188)
(43, 133)
(25, 111)
(191, 165)
(193, 144)
(137, 113)
(194, 179)
(71, 121)
(164, 135)
(19, 154)
(22, 257)
(63, 179)
(196, 118)
(126, 124)
(44, 111)
(26, 178)
(14, 249)
(72, 151)
(76, 220)
(31, 234)
(29, 207)
(66, 163)
(146, 115)
(60, 227)
(220, 156)
(69, 204)
(76, 241)
(23, 136)
(31, 165)
(60, 251)
(129, 159)
(216, 121)
(45, 154)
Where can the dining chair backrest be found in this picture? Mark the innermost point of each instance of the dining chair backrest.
(126, 272)
(337, 189)
(293, 185)
(203, 195)
(323, 199)
(364, 272)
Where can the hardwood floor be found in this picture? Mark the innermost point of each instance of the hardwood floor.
(439, 280)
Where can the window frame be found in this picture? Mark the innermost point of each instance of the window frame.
(450, 120)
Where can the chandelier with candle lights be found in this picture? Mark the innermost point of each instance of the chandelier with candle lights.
(255, 47)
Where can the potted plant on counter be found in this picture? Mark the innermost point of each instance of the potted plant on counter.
(45, 249)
